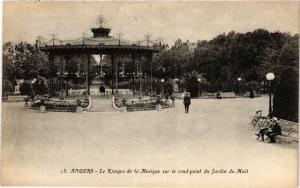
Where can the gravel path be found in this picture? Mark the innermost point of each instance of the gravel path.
(216, 134)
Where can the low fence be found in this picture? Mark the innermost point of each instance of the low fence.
(94, 91)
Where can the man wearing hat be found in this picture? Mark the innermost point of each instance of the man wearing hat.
(187, 102)
(275, 130)
(272, 130)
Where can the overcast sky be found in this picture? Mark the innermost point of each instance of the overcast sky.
(24, 21)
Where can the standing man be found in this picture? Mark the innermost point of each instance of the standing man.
(187, 102)
(173, 101)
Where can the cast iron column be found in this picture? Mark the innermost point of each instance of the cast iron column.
(151, 67)
(133, 69)
(61, 74)
(270, 99)
(88, 75)
(51, 59)
(112, 74)
(67, 76)
(117, 74)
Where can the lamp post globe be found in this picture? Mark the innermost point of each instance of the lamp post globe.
(239, 85)
(270, 76)
(163, 87)
(199, 81)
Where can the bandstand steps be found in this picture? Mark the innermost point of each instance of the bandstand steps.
(101, 105)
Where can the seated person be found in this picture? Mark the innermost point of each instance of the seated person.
(275, 130)
(262, 133)
(265, 127)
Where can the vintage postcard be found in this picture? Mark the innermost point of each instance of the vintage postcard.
(150, 94)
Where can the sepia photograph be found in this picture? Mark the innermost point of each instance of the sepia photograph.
(150, 94)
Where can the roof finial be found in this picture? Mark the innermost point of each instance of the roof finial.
(101, 20)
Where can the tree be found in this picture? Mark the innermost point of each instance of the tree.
(43, 88)
(8, 62)
(7, 87)
(25, 89)
(286, 95)
(23, 61)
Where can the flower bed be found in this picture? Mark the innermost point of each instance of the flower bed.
(140, 105)
(58, 105)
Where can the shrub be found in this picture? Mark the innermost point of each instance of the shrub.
(25, 88)
(286, 95)
(7, 87)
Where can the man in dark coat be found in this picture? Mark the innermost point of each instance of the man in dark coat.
(187, 102)
(275, 130)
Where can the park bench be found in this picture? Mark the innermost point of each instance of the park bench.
(256, 117)
(289, 129)
(224, 95)
(228, 95)
(290, 134)
(208, 96)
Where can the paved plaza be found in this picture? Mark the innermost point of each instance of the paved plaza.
(216, 134)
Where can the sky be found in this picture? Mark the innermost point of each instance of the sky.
(193, 21)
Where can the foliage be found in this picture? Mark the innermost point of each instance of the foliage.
(286, 95)
(62, 106)
(168, 89)
(229, 56)
(7, 87)
(192, 85)
(39, 87)
(25, 89)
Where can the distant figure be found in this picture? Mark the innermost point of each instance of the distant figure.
(219, 95)
(252, 93)
(173, 101)
(158, 103)
(102, 90)
(167, 101)
(187, 102)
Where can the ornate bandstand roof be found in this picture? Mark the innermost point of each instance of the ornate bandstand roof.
(100, 42)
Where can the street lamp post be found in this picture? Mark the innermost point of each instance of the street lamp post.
(176, 84)
(270, 76)
(262, 87)
(199, 82)
(66, 75)
(239, 80)
(163, 92)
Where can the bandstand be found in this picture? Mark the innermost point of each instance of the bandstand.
(101, 43)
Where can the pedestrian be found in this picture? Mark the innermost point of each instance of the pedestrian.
(173, 101)
(252, 94)
(187, 102)
(158, 103)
